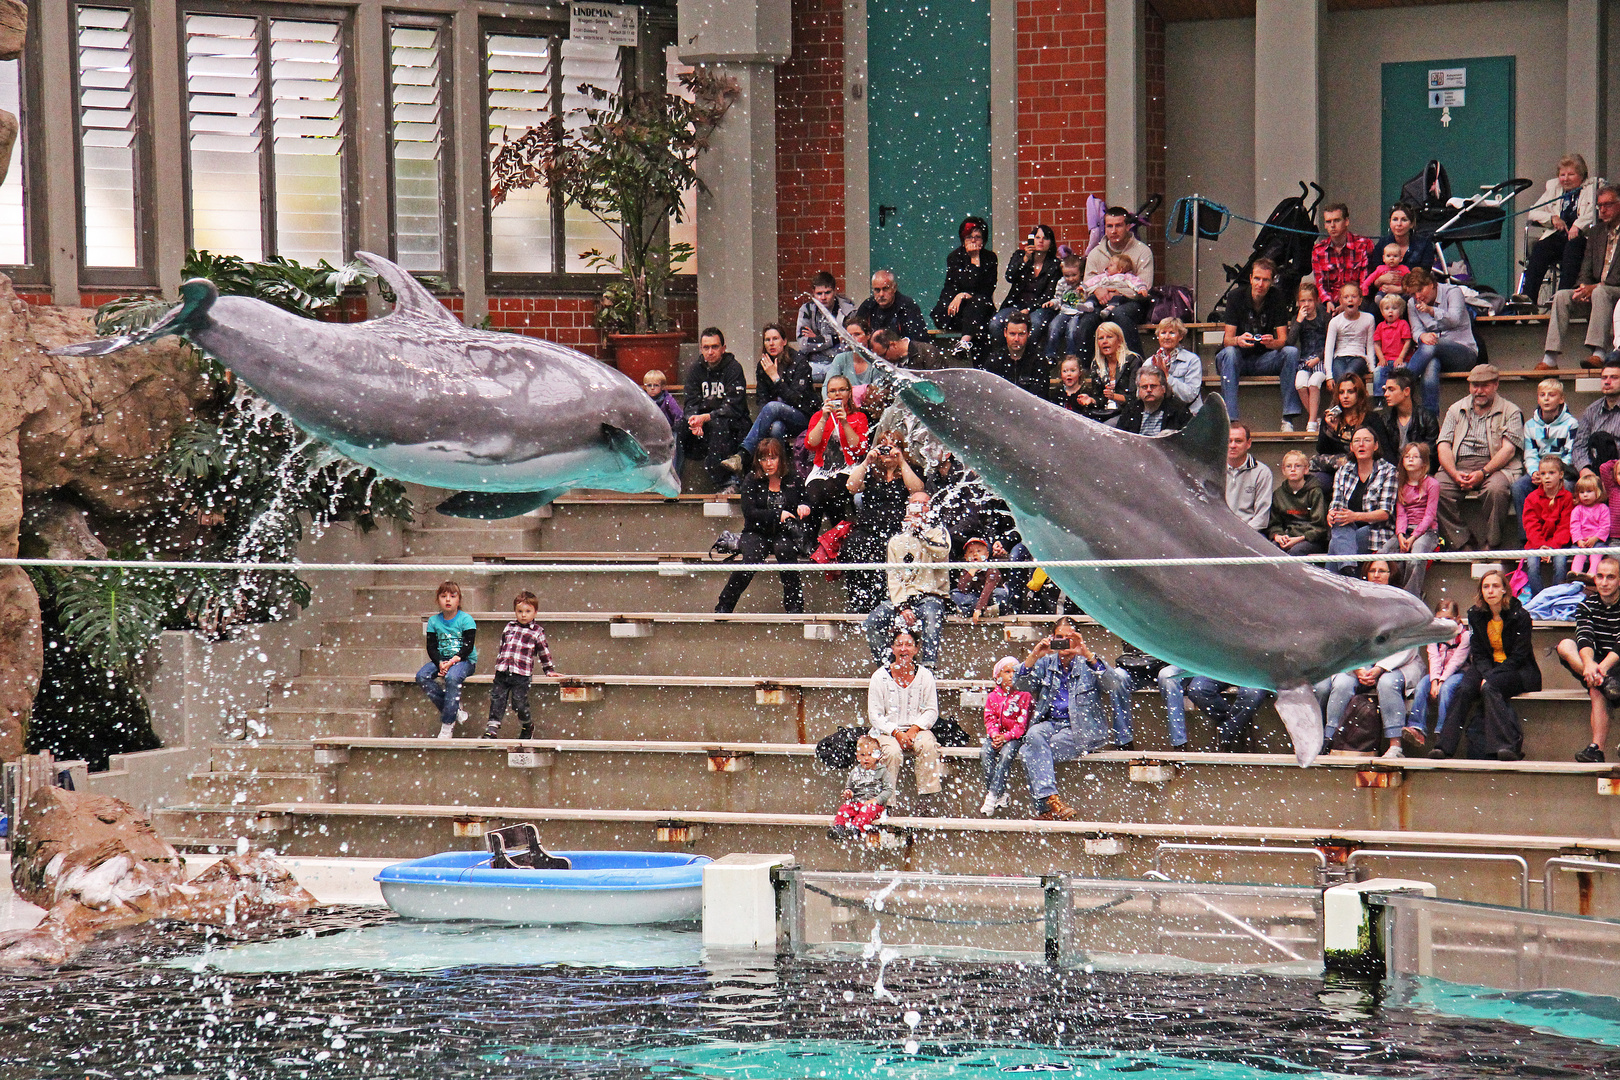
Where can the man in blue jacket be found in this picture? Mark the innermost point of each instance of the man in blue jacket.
(1067, 680)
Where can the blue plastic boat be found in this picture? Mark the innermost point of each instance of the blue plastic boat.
(603, 887)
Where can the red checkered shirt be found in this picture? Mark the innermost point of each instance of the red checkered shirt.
(520, 645)
(1335, 268)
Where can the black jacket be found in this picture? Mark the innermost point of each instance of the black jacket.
(1516, 643)
(1424, 428)
(795, 387)
(903, 316)
(721, 390)
(1176, 415)
(758, 516)
(961, 276)
(1030, 289)
(1032, 371)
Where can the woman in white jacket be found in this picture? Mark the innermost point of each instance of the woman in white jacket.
(902, 703)
(1566, 211)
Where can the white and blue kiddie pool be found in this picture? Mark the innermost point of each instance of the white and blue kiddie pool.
(603, 887)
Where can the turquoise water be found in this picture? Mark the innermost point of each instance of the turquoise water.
(1559, 1012)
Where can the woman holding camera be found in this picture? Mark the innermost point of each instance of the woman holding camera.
(773, 506)
(882, 482)
(836, 439)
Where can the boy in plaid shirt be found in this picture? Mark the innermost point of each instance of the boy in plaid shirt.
(522, 642)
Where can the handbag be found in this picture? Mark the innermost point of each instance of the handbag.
(947, 732)
(1141, 667)
(837, 751)
(1362, 728)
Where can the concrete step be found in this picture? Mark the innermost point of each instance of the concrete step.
(256, 755)
(324, 692)
(314, 723)
(468, 537)
(252, 788)
(636, 526)
(349, 660)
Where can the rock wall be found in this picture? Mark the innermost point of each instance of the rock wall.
(91, 426)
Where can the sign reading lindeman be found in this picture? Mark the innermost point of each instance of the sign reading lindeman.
(603, 24)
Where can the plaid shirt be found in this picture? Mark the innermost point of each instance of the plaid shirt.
(1335, 268)
(519, 646)
(1381, 490)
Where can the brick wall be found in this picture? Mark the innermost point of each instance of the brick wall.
(1062, 103)
(563, 319)
(1153, 42)
(810, 153)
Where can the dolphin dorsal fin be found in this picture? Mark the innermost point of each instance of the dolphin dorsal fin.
(410, 298)
(1200, 447)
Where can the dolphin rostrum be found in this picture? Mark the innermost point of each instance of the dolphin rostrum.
(1082, 490)
(509, 421)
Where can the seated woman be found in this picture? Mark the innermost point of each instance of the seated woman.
(836, 439)
(1032, 272)
(884, 481)
(773, 505)
(1501, 666)
(785, 391)
(967, 299)
(1567, 210)
(1415, 251)
(1361, 517)
(1113, 374)
(1390, 678)
(1350, 409)
(853, 364)
(902, 703)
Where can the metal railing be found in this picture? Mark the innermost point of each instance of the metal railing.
(1548, 877)
(1250, 849)
(1454, 856)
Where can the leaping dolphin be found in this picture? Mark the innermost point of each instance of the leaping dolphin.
(511, 422)
(1082, 490)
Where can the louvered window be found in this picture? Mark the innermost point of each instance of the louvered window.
(266, 109)
(108, 130)
(416, 90)
(682, 231)
(13, 205)
(530, 78)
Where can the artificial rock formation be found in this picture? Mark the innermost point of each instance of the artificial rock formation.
(97, 865)
(93, 428)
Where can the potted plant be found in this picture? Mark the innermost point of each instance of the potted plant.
(626, 160)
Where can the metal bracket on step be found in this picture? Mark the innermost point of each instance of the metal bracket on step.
(1022, 632)
(718, 508)
(328, 754)
(1610, 784)
(269, 824)
(1102, 844)
(819, 631)
(572, 691)
(1380, 776)
(677, 832)
(381, 691)
(529, 758)
(470, 826)
(769, 693)
(973, 697)
(1154, 772)
(630, 628)
(729, 760)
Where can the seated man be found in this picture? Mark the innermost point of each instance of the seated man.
(1153, 411)
(716, 408)
(890, 309)
(1593, 655)
(818, 340)
(918, 591)
(1015, 358)
(1596, 290)
(1248, 483)
(1234, 718)
(1126, 311)
(907, 352)
(1341, 257)
(902, 703)
(1255, 342)
(1481, 441)
(1066, 678)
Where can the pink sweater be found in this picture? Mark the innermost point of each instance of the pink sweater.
(1448, 657)
(1416, 506)
(1589, 522)
(1006, 714)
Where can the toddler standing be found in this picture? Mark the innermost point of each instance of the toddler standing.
(1588, 522)
(1350, 337)
(653, 383)
(450, 634)
(1006, 717)
(868, 794)
(522, 643)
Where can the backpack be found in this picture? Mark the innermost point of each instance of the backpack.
(837, 751)
(947, 732)
(1362, 728)
(1170, 302)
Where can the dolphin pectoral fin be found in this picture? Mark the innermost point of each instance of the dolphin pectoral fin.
(1200, 447)
(410, 298)
(624, 444)
(1302, 715)
(494, 505)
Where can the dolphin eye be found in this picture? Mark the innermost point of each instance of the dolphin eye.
(1380, 639)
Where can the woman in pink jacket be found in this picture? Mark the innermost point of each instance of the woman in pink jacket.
(1006, 717)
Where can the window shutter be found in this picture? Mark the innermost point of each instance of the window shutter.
(518, 76)
(306, 110)
(594, 65)
(416, 96)
(682, 232)
(13, 219)
(107, 124)
(224, 111)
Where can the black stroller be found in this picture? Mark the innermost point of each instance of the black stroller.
(1449, 220)
(1286, 239)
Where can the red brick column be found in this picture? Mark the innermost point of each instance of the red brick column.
(1062, 105)
(810, 154)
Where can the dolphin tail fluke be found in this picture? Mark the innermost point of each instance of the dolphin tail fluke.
(494, 505)
(196, 297)
(1302, 715)
(624, 444)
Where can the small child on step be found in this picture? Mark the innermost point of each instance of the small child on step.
(653, 384)
(1588, 523)
(869, 792)
(522, 643)
(452, 656)
(1006, 717)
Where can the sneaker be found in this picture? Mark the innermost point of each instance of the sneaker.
(1394, 752)
(734, 463)
(492, 733)
(1313, 426)
(1003, 801)
(1509, 755)
(447, 731)
(1287, 425)
(1055, 809)
(461, 716)
(527, 732)
(1126, 747)
(1438, 754)
(1593, 753)
(988, 807)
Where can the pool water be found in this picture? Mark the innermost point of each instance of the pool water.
(356, 993)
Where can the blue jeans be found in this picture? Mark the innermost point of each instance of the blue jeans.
(881, 625)
(1418, 716)
(1169, 683)
(446, 698)
(1049, 742)
(1429, 361)
(997, 763)
(777, 420)
(1335, 694)
(1283, 362)
(1063, 334)
(1347, 540)
(1532, 570)
(966, 601)
(1232, 718)
(1351, 362)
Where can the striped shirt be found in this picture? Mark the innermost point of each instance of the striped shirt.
(520, 646)
(1597, 627)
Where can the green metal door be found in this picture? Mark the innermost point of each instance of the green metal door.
(1473, 140)
(928, 131)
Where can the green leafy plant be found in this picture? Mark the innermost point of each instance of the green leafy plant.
(628, 161)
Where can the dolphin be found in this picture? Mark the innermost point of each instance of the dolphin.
(509, 421)
(1083, 490)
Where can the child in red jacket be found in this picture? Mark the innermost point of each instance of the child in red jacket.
(1006, 716)
(1546, 520)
